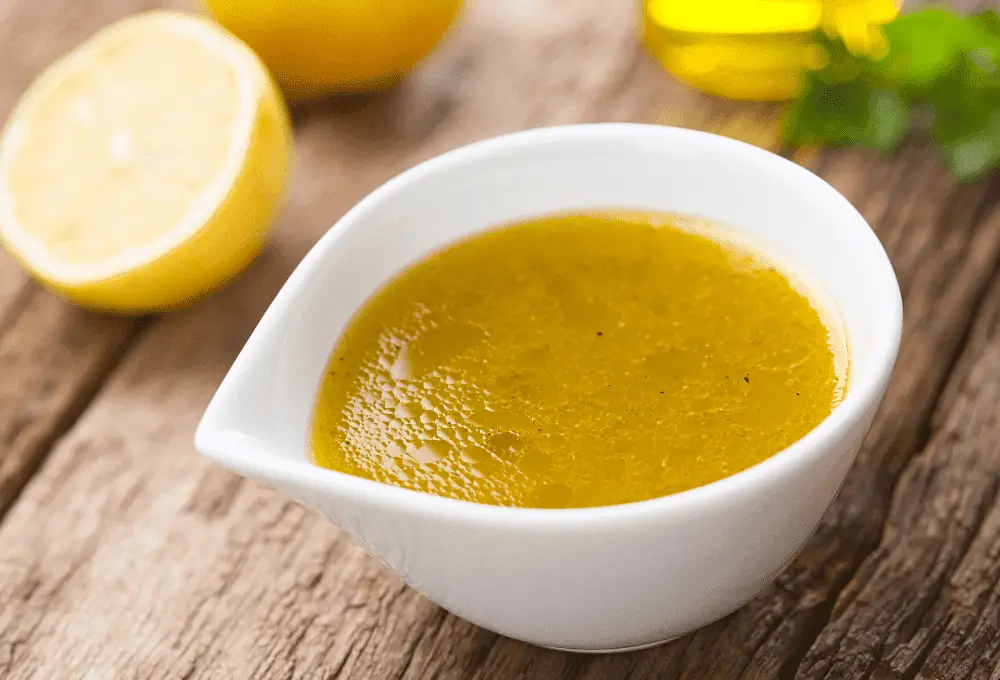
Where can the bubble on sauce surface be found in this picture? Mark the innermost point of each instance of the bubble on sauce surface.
(508, 395)
(505, 443)
(431, 451)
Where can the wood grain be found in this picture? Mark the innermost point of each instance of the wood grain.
(924, 603)
(53, 357)
(127, 556)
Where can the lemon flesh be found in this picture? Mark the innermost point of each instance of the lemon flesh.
(144, 168)
(318, 47)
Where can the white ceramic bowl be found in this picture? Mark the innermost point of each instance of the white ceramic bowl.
(595, 579)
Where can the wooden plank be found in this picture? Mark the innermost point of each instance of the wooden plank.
(129, 557)
(53, 356)
(925, 602)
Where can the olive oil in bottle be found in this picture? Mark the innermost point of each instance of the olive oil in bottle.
(756, 49)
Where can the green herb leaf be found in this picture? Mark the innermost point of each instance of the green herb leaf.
(852, 113)
(923, 46)
(965, 104)
(939, 64)
(988, 21)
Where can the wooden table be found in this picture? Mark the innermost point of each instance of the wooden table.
(124, 555)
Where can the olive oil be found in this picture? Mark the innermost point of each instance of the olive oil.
(578, 360)
(756, 49)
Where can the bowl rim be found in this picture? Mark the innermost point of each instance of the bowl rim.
(246, 455)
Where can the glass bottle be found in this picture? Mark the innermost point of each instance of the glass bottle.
(756, 49)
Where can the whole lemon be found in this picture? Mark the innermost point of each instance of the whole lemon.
(318, 47)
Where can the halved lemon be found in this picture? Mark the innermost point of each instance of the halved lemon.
(144, 168)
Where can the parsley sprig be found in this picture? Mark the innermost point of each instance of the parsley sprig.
(940, 76)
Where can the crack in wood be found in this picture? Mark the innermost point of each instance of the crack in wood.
(950, 475)
(33, 429)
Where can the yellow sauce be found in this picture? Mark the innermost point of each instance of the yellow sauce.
(577, 361)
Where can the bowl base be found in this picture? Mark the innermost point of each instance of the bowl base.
(615, 650)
